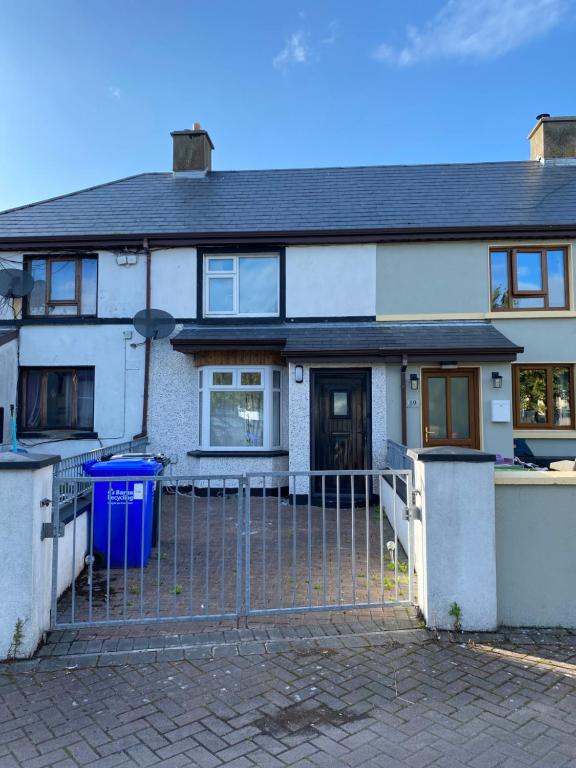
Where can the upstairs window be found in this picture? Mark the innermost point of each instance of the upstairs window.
(63, 286)
(244, 285)
(240, 408)
(57, 399)
(529, 278)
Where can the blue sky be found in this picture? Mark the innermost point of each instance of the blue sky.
(89, 91)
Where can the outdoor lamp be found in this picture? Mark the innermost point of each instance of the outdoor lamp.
(496, 380)
(414, 381)
(299, 374)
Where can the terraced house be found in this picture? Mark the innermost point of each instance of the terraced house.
(319, 312)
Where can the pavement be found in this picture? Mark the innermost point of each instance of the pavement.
(355, 694)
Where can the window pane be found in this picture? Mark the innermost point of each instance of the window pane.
(258, 285)
(58, 399)
(222, 378)
(529, 271)
(33, 399)
(556, 279)
(562, 397)
(500, 285)
(276, 379)
(63, 309)
(200, 437)
(89, 284)
(276, 418)
(236, 419)
(340, 403)
(220, 265)
(528, 302)
(437, 426)
(85, 419)
(63, 280)
(200, 379)
(221, 294)
(251, 378)
(533, 408)
(37, 299)
(459, 405)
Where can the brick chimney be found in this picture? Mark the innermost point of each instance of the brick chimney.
(192, 150)
(553, 139)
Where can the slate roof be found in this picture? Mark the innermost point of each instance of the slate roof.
(364, 338)
(508, 194)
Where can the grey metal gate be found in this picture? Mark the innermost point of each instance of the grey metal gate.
(229, 546)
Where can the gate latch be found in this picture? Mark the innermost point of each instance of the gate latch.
(52, 531)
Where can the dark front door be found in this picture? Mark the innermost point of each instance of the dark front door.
(340, 419)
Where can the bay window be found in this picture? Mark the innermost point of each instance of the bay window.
(239, 408)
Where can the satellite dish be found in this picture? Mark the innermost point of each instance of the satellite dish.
(15, 283)
(154, 323)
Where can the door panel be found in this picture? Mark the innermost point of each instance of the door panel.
(340, 421)
(450, 413)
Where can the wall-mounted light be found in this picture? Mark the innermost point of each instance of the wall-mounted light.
(299, 374)
(496, 380)
(414, 381)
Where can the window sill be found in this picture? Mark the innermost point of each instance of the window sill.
(64, 434)
(199, 454)
(556, 434)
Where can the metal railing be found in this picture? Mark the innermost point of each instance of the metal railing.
(397, 456)
(72, 466)
(230, 546)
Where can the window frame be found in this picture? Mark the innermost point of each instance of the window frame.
(49, 258)
(231, 317)
(512, 274)
(266, 386)
(45, 371)
(549, 368)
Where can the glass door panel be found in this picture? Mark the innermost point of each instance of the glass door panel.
(460, 407)
(437, 412)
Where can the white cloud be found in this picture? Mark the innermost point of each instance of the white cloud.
(333, 33)
(296, 51)
(114, 91)
(481, 29)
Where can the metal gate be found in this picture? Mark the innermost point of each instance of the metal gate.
(139, 549)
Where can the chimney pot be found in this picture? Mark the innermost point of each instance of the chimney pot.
(191, 150)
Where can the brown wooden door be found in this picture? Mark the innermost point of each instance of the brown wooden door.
(450, 408)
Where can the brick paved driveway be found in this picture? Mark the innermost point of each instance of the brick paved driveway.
(398, 699)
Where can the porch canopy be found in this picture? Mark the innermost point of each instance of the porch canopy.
(438, 341)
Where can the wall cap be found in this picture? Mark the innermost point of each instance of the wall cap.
(449, 453)
(9, 460)
(237, 454)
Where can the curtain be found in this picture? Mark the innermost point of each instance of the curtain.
(86, 399)
(33, 398)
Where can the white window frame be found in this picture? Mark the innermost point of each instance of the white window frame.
(266, 386)
(234, 274)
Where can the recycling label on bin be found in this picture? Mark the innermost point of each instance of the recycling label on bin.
(138, 491)
(121, 495)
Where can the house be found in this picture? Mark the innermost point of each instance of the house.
(319, 312)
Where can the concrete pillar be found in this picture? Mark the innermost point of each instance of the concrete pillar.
(455, 539)
(25, 560)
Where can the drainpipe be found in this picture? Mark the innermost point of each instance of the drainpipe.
(403, 398)
(148, 344)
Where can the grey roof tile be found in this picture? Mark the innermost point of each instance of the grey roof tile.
(377, 197)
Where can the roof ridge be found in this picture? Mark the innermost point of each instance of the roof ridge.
(375, 166)
(78, 192)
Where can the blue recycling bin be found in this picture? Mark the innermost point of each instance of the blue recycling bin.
(128, 506)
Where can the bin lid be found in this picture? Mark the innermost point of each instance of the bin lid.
(124, 467)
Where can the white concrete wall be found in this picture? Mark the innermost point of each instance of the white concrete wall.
(68, 555)
(331, 281)
(174, 277)
(536, 550)
(25, 560)
(8, 383)
(121, 288)
(455, 552)
(118, 376)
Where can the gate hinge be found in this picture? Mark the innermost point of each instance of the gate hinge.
(52, 531)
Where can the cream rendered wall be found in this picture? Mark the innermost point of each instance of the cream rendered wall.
(331, 281)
